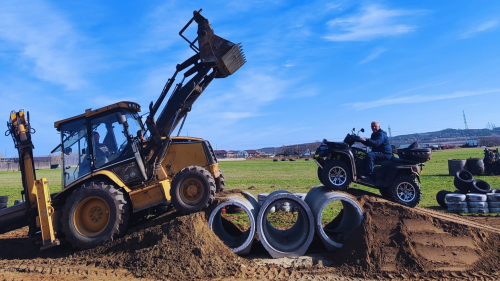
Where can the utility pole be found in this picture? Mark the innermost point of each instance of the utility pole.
(466, 127)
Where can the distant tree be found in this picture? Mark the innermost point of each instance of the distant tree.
(490, 141)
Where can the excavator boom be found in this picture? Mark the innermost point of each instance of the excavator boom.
(215, 57)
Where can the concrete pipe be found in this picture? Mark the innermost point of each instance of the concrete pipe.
(352, 216)
(239, 243)
(292, 242)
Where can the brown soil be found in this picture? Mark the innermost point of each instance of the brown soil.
(393, 242)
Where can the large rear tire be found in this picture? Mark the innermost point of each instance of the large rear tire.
(94, 214)
(220, 182)
(336, 175)
(406, 191)
(192, 190)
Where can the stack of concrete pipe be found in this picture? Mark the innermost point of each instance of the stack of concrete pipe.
(294, 241)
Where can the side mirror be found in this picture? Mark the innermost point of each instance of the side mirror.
(362, 130)
(122, 119)
(353, 129)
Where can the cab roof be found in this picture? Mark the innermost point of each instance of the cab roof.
(89, 112)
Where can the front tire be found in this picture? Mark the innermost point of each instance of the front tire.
(94, 214)
(336, 175)
(406, 191)
(192, 190)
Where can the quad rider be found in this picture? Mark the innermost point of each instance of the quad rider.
(381, 148)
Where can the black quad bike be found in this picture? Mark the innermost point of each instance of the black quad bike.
(398, 179)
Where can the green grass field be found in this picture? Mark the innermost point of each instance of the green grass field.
(299, 176)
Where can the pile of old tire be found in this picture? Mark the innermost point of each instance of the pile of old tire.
(464, 182)
(477, 203)
(494, 201)
(455, 165)
(475, 166)
(456, 203)
(3, 201)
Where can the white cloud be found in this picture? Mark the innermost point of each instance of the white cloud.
(373, 22)
(417, 99)
(480, 28)
(375, 54)
(42, 36)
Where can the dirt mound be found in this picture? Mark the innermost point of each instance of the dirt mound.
(393, 242)
(402, 240)
(183, 248)
(172, 247)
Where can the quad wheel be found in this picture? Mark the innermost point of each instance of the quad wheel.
(94, 214)
(220, 182)
(385, 192)
(320, 177)
(406, 191)
(336, 175)
(192, 190)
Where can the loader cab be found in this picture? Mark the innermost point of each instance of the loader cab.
(101, 140)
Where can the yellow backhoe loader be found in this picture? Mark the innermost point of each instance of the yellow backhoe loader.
(114, 166)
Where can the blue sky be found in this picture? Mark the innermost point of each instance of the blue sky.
(315, 68)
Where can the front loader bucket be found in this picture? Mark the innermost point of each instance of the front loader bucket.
(227, 56)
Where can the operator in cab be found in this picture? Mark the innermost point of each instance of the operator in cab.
(381, 148)
(101, 151)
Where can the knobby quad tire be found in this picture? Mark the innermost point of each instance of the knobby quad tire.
(320, 171)
(406, 191)
(336, 175)
(463, 180)
(94, 214)
(192, 190)
(480, 186)
(220, 182)
(440, 197)
(384, 191)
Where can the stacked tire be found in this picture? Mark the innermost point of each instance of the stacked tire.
(456, 203)
(494, 201)
(464, 182)
(477, 203)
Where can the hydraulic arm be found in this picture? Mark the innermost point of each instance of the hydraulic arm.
(215, 57)
(36, 192)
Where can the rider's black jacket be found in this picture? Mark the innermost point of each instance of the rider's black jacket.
(379, 142)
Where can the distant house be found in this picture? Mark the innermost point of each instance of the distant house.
(242, 154)
(231, 154)
(220, 153)
(252, 153)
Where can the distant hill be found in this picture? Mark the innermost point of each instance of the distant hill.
(446, 136)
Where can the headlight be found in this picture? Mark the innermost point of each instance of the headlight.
(128, 172)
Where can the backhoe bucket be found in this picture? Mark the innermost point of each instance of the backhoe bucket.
(227, 56)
